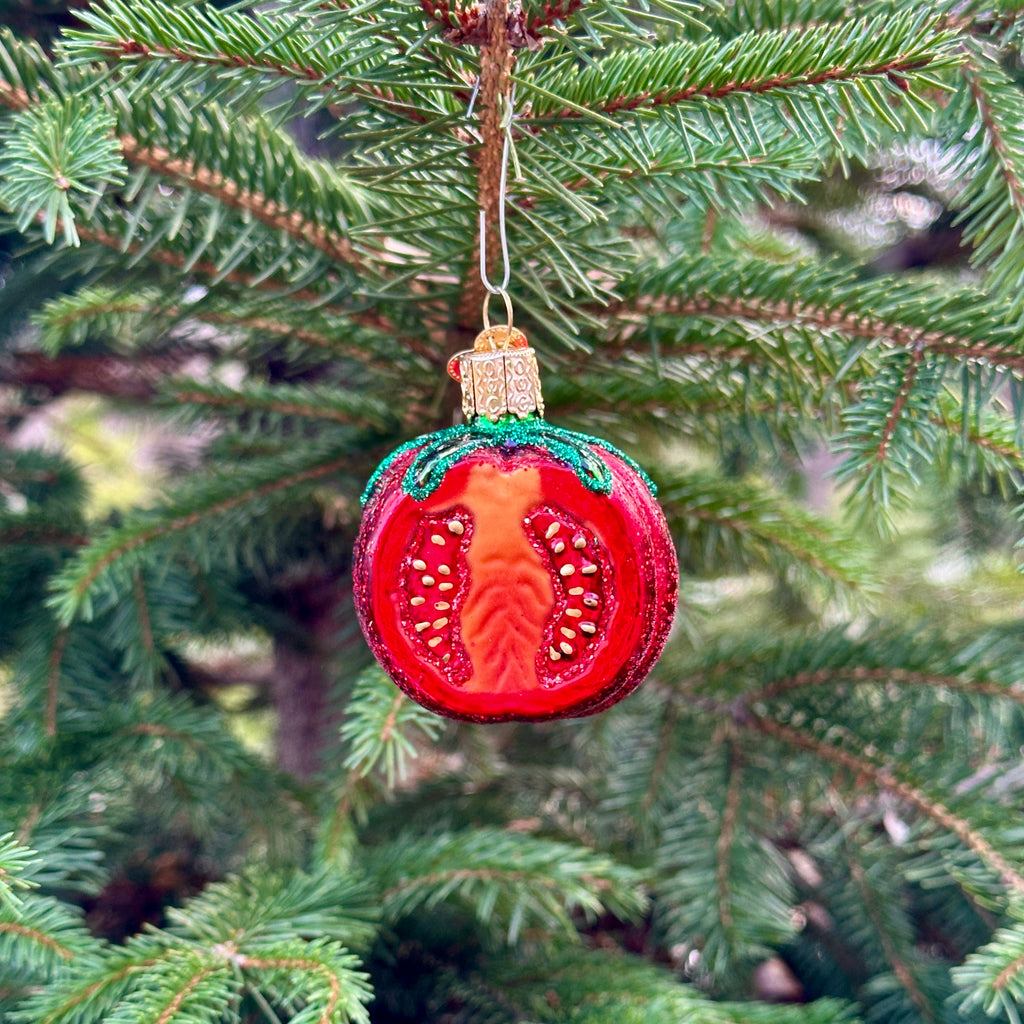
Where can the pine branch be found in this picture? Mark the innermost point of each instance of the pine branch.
(327, 404)
(592, 986)
(727, 836)
(381, 728)
(198, 968)
(260, 908)
(276, 215)
(900, 968)
(223, 41)
(15, 858)
(509, 882)
(209, 501)
(129, 319)
(726, 520)
(872, 58)
(889, 429)
(719, 879)
(992, 977)
(184, 262)
(857, 674)
(993, 199)
(899, 312)
(888, 781)
(52, 153)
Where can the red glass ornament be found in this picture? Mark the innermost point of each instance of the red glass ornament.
(513, 570)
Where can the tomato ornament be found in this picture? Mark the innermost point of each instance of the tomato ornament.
(506, 568)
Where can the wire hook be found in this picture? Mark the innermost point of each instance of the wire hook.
(502, 203)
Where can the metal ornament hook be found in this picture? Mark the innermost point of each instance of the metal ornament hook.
(506, 149)
(502, 234)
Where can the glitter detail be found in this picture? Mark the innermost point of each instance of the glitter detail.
(438, 452)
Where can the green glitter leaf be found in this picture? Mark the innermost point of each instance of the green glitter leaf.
(439, 451)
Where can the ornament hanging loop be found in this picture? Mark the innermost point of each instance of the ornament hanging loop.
(508, 311)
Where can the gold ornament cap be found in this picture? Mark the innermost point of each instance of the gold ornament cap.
(499, 376)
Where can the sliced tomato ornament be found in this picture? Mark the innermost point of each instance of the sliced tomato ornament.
(508, 569)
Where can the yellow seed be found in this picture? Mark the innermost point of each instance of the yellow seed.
(579, 543)
(420, 626)
(428, 581)
(588, 627)
(552, 530)
(419, 564)
(443, 606)
(445, 571)
(558, 547)
(576, 591)
(440, 623)
(447, 658)
(566, 648)
(573, 613)
(569, 634)
(590, 601)
(446, 586)
(434, 641)
(567, 570)
(436, 538)
(588, 570)
(454, 526)
(417, 601)
(555, 655)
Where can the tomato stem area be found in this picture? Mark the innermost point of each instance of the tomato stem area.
(436, 453)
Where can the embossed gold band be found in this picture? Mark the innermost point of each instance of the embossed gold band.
(500, 376)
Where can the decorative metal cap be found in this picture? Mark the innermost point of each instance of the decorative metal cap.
(499, 376)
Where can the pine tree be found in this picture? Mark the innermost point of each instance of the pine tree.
(257, 226)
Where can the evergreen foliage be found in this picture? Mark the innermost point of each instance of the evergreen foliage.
(255, 226)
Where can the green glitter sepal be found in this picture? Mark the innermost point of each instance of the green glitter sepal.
(439, 451)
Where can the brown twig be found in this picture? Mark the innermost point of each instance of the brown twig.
(730, 817)
(893, 70)
(37, 936)
(53, 682)
(995, 136)
(836, 319)
(906, 385)
(897, 676)
(191, 519)
(212, 183)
